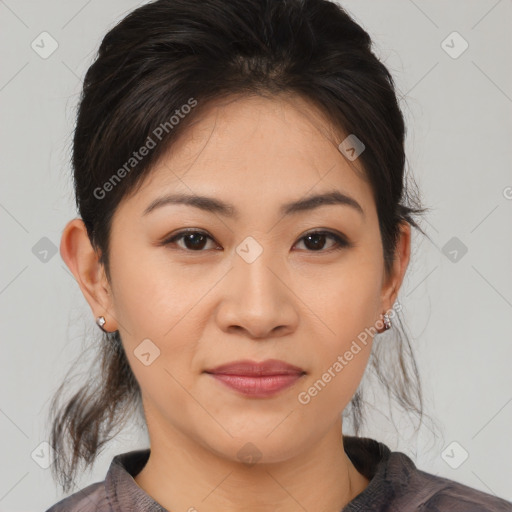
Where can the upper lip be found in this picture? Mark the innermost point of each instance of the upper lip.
(267, 367)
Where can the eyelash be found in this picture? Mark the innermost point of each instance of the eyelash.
(341, 242)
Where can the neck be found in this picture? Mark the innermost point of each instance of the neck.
(182, 475)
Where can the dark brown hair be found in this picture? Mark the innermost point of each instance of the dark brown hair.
(149, 66)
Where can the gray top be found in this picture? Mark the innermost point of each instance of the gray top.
(395, 485)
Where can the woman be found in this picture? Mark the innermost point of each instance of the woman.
(244, 232)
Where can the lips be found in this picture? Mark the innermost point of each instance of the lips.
(249, 368)
(257, 380)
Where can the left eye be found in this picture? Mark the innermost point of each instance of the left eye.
(195, 241)
(317, 238)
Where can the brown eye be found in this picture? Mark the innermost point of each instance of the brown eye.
(192, 240)
(316, 241)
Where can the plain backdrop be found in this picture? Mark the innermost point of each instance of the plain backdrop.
(457, 294)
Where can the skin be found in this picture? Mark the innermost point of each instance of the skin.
(208, 306)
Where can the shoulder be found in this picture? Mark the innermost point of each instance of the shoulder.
(444, 494)
(117, 492)
(396, 484)
(92, 498)
(414, 489)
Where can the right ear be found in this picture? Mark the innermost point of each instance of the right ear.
(82, 260)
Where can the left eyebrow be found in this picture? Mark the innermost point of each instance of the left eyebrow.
(213, 205)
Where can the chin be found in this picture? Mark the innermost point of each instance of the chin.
(252, 445)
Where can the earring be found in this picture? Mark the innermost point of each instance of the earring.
(387, 322)
(100, 321)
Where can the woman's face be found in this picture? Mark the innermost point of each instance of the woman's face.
(250, 285)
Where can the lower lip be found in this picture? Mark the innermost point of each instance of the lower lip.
(258, 387)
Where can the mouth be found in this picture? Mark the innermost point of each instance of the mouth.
(262, 386)
(247, 368)
(257, 380)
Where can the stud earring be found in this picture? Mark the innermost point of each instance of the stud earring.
(387, 322)
(100, 321)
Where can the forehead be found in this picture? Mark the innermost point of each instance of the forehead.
(252, 150)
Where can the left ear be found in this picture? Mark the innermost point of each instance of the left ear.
(392, 284)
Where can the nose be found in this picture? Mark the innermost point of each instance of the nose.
(256, 300)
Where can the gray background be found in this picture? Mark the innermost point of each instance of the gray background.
(457, 308)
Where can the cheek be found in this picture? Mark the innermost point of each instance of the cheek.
(346, 297)
(157, 301)
(348, 307)
(152, 296)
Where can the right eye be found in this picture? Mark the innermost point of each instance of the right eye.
(193, 240)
